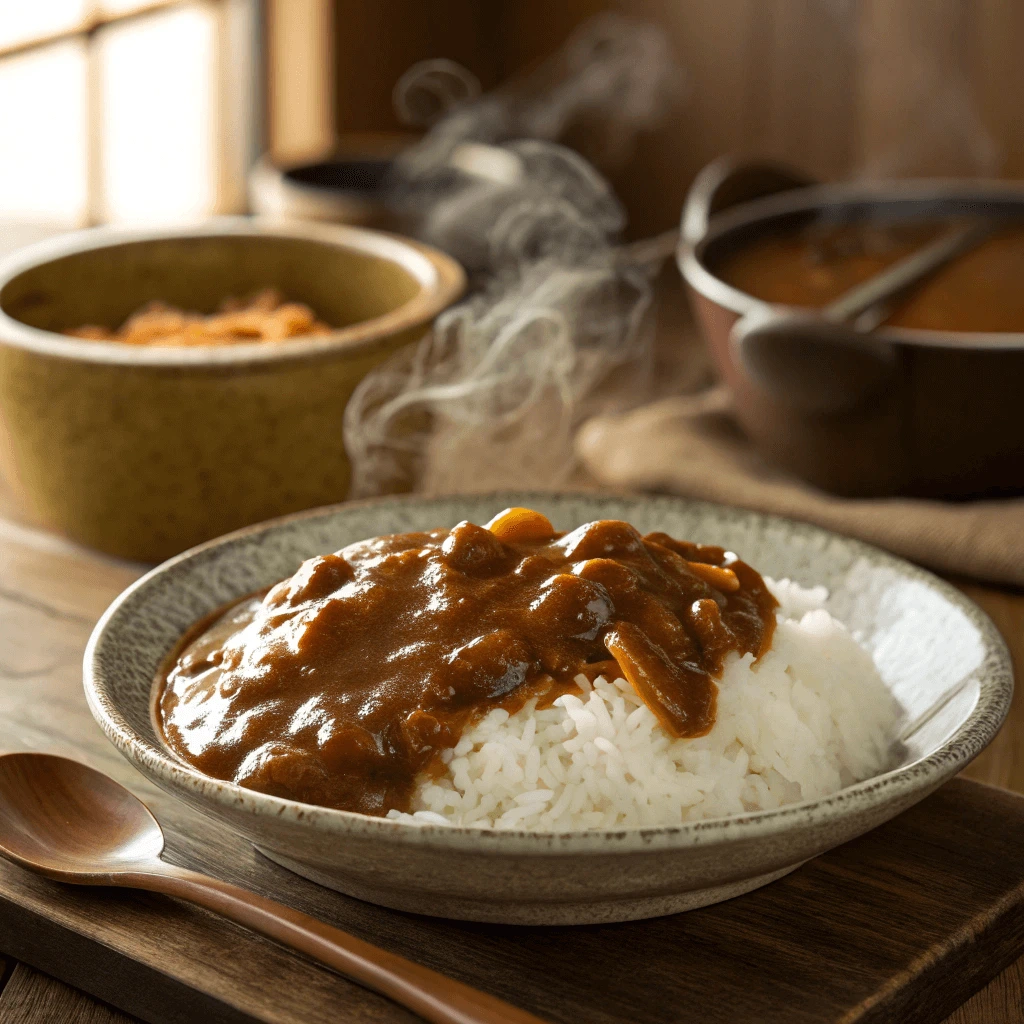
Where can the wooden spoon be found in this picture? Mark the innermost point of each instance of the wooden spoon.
(74, 824)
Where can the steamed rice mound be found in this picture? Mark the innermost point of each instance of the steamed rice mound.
(812, 716)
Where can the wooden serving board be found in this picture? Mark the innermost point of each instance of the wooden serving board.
(903, 924)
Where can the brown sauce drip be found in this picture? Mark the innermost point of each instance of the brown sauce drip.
(348, 679)
(979, 290)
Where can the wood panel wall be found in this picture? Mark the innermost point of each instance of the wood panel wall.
(874, 87)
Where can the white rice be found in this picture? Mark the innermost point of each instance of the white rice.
(812, 716)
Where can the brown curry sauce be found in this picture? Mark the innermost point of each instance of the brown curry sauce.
(343, 683)
(978, 291)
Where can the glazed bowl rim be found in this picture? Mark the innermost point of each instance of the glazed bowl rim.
(690, 254)
(440, 278)
(994, 680)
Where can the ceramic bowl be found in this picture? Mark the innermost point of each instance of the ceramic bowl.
(940, 655)
(145, 451)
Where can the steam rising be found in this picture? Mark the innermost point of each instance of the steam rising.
(614, 72)
(492, 396)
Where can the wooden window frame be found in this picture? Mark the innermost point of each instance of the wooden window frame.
(239, 96)
(299, 79)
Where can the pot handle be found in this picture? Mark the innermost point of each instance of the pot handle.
(730, 180)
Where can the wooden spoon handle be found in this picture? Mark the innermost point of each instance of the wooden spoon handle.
(433, 996)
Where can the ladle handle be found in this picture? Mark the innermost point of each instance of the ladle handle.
(906, 272)
(433, 996)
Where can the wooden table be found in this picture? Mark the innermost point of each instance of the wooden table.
(30, 997)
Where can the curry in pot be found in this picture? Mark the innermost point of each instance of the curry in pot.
(981, 290)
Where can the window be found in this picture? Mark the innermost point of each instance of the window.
(119, 110)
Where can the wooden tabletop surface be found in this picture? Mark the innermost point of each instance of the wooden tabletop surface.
(30, 997)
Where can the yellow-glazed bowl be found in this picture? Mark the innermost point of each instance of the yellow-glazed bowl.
(144, 451)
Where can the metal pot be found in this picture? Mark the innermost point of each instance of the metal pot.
(924, 413)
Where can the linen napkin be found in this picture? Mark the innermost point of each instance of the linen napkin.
(692, 446)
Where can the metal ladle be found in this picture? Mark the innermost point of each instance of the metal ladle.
(74, 824)
(826, 360)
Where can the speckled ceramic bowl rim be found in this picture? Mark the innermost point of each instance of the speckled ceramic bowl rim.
(995, 683)
(440, 278)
